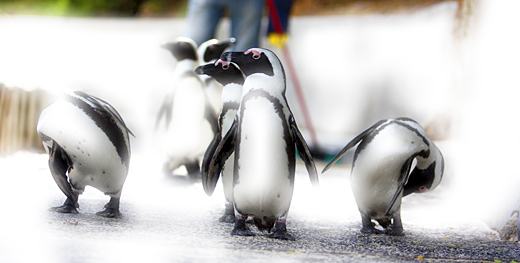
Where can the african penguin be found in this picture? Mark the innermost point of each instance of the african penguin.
(88, 144)
(189, 120)
(381, 170)
(209, 52)
(230, 76)
(263, 137)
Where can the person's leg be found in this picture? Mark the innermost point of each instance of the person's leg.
(202, 19)
(246, 18)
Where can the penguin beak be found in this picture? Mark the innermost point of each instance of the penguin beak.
(232, 56)
(167, 46)
(205, 69)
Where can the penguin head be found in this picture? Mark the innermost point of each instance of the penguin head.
(182, 48)
(211, 50)
(222, 71)
(427, 174)
(256, 60)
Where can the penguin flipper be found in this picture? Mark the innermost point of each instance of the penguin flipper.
(59, 163)
(351, 144)
(305, 153)
(166, 111)
(224, 149)
(206, 160)
(403, 179)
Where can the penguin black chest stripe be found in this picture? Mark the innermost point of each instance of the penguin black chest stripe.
(287, 137)
(227, 106)
(374, 133)
(106, 122)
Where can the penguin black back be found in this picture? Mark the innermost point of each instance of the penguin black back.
(107, 119)
(181, 50)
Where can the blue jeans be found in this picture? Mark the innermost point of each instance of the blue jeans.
(246, 17)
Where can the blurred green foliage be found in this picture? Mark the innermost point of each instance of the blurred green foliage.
(94, 7)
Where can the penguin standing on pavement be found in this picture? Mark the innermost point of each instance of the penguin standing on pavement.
(88, 144)
(209, 52)
(230, 76)
(381, 170)
(263, 137)
(186, 118)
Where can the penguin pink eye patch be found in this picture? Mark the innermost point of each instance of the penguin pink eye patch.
(256, 53)
(423, 189)
(225, 64)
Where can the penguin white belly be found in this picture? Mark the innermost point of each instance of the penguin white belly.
(189, 132)
(263, 187)
(94, 158)
(214, 91)
(227, 171)
(375, 189)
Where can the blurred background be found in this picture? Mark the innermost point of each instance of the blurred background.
(451, 65)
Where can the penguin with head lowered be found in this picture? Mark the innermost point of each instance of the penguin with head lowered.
(263, 137)
(230, 76)
(187, 118)
(381, 174)
(209, 52)
(88, 144)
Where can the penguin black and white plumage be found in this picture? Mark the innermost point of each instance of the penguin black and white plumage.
(231, 78)
(189, 120)
(381, 173)
(263, 137)
(88, 144)
(209, 52)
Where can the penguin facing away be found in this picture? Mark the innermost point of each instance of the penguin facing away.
(186, 118)
(92, 148)
(209, 52)
(381, 173)
(263, 137)
(230, 76)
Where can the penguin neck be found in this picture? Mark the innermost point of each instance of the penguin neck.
(232, 92)
(184, 66)
(273, 85)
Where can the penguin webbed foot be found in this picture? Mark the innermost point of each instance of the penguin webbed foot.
(109, 213)
(68, 207)
(371, 230)
(282, 235)
(111, 209)
(229, 214)
(241, 229)
(394, 231)
(279, 231)
(369, 227)
(65, 209)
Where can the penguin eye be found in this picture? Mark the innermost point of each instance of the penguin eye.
(256, 56)
(225, 66)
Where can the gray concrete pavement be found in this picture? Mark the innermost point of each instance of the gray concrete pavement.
(164, 222)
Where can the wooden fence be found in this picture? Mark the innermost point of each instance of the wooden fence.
(19, 113)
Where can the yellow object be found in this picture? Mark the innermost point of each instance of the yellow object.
(420, 258)
(278, 40)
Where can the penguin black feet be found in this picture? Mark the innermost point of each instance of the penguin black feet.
(229, 214)
(69, 207)
(111, 209)
(396, 228)
(193, 169)
(280, 231)
(368, 226)
(241, 228)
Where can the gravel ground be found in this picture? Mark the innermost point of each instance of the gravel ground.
(165, 222)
